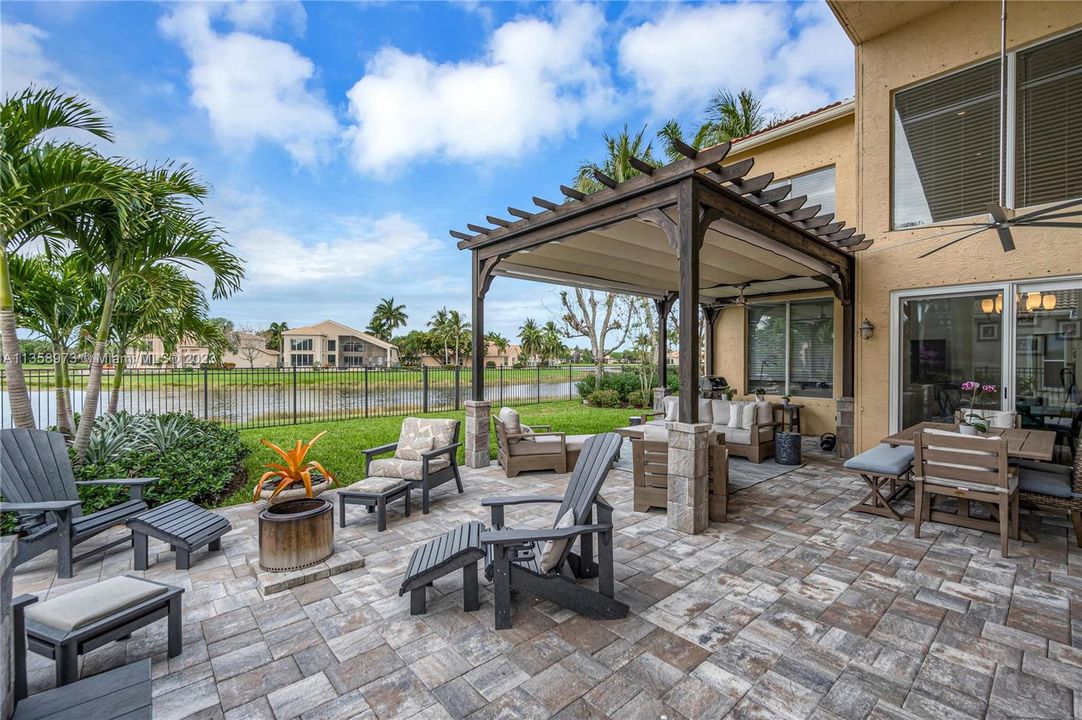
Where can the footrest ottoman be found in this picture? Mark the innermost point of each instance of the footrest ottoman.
(65, 627)
(455, 549)
(182, 524)
(878, 466)
(374, 493)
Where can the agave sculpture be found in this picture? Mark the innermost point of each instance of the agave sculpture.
(295, 470)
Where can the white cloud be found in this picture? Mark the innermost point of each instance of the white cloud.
(23, 61)
(263, 15)
(793, 58)
(537, 81)
(252, 88)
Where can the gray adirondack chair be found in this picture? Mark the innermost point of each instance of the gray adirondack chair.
(38, 485)
(515, 555)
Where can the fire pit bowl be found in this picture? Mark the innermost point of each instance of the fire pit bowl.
(296, 534)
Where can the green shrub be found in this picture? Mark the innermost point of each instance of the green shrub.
(604, 399)
(194, 459)
(639, 399)
(586, 386)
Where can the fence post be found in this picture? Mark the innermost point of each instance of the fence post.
(570, 380)
(501, 385)
(366, 391)
(206, 392)
(294, 394)
(539, 383)
(424, 388)
(458, 385)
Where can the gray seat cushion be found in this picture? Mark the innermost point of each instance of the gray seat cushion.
(541, 445)
(882, 460)
(92, 603)
(575, 442)
(734, 436)
(1043, 482)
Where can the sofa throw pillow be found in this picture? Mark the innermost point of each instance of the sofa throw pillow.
(511, 421)
(411, 448)
(747, 416)
(721, 411)
(555, 548)
(736, 414)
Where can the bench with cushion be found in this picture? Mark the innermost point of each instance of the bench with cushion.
(878, 466)
(748, 426)
(67, 626)
(374, 493)
(425, 456)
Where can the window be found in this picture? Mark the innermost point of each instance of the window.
(300, 344)
(946, 136)
(330, 359)
(302, 360)
(791, 348)
(330, 345)
(818, 185)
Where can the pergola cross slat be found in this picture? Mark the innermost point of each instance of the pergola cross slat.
(704, 217)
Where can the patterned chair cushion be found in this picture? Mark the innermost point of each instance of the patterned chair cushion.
(375, 485)
(412, 448)
(441, 431)
(405, 469)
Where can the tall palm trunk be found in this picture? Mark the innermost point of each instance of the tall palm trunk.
(63, 400)
(118, 381)
(18, 396)
(93, 382)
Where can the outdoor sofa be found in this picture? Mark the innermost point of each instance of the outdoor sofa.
(748, 426)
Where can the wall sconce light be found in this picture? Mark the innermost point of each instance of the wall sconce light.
(1048, 302)
(866, 329)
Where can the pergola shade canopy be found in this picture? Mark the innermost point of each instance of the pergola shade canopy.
(696, 231)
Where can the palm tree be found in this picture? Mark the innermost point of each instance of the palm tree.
(45, 183)
(166, 230)
(551, 344)
(439, 326)
(51, 299)
(616, 164)
(459, 331)
(386, 318)
(274, 335)
(531, 339)
(728, 117)
(499, 341)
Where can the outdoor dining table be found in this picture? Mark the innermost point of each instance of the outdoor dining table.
(1022, 444)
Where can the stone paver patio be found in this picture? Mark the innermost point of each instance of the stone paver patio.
(796, 608)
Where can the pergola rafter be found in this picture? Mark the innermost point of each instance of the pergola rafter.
(661, 233)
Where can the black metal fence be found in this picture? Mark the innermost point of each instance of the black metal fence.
(263, 397)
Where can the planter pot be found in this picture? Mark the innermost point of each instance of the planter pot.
(967, 430)
(294, 492)
(296, 534)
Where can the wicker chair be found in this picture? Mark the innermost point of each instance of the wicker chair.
(1054, 487)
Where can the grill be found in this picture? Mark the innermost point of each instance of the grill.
(712, 386)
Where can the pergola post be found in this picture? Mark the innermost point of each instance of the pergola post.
(664, 307)
(710, 316)
(477, 408)
(689, 241)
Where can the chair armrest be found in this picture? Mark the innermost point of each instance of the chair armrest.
(56, 506)
(535, 427)
(550, 433)
(514, 537)
(119, 481)
(441, 451)
(381, 449)
(520, 499)
(652, 413)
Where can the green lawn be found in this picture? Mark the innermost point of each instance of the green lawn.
(340, 449)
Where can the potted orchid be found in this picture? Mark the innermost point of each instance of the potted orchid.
(972, 421)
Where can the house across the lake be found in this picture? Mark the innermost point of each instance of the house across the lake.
(251, 352)
(331, 344)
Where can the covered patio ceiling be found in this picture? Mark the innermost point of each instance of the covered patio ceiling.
(695, 230)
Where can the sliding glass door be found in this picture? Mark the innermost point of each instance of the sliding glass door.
(1048, 348)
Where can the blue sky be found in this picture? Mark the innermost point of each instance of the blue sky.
(343, 140)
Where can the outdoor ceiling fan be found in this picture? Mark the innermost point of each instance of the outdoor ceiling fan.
(1003, 217)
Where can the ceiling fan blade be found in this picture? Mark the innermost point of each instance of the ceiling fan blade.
(1041, 218)
(946, 245)
(1047, 223)
(999, 213)
(1005, 239)
(1050, 209)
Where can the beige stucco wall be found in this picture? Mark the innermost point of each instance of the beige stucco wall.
(831, 143)
(932, 45)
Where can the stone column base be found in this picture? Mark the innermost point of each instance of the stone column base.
(478, 427)
(844, 421)
(689, 466)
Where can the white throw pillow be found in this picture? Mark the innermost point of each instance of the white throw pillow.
(555, 548)
(736, 414)
(511, 421)
(747, 416)
(720, 410)
(706, 413)
(412, 449)
(671, 404)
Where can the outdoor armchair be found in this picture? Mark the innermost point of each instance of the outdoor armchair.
(522, 448)
(425, 455)
(37, 478)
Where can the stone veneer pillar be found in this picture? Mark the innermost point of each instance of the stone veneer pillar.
(689, 502)
(844, 422)
(478, 427)
(659, 395)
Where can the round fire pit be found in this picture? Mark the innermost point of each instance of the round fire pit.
(296, 534)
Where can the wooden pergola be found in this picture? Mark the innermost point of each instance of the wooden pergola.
(695, 232)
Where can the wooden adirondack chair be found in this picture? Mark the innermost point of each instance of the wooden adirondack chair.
(38, 485)
(518, 557)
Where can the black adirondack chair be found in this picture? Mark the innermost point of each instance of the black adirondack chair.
(515, 555)
(38, 485)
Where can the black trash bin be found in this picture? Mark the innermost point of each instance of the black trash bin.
(787, 448)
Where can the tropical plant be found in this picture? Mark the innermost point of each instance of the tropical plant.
(617, 165)
(274, 335)
(459, 331)
(165, 230)
(45, 186)
(604, 399)
(530, 339)
(728, 117)
(113, 436)
(441, 330)
(386, 318)
(552, 345)
(499, 341)
(295, 470)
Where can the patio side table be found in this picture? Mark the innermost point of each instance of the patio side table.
(787, 448)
